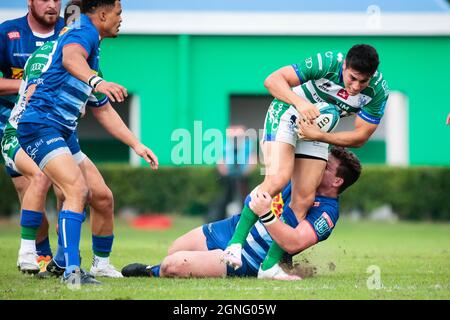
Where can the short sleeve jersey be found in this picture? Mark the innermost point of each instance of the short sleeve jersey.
(321, 81)
(59, 96)
(17, 43)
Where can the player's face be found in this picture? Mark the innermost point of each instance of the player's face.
(329, 176)
(46, 12)
(113, 21)
(354, 81)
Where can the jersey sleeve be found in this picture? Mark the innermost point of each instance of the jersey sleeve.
(82, 38)
(316, 66)
(322, 219)
(374, 110)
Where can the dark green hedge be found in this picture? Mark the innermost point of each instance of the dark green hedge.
(414, 193)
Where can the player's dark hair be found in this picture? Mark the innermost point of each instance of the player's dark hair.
(70, 10)
(349, 166)
(363, 58)
(89, 6)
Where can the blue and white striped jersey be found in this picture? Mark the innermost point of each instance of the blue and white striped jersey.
(322, 216)
(59, 96)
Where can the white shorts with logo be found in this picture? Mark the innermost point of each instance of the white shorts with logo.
(280, 125)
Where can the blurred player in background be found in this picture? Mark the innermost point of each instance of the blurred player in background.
(198, 252)
(350, 82)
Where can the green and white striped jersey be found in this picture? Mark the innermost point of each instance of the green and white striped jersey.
(321, 81)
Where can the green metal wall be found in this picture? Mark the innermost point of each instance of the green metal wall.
(185, 78)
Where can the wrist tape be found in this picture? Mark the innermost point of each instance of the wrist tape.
(94, 81)
(268, 218)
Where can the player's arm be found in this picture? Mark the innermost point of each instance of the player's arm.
(291, 240)
(9, 86)
(355, 138)
(279, 84)
(74, 61)
(111, 121)
(30, 91)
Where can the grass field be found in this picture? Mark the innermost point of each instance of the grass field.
(413, 259)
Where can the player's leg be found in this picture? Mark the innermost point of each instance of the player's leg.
(47, 146)
(101, 203)
(194, 264)
(212, 236)
(310, 163)
(307, 237)
(194, 240)
(278, 149)
(31, 217)
(33, 206)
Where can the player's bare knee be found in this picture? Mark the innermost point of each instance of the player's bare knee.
(102, 200)
(276, 182)
(41, 182)
(80, 190)
(174, 265)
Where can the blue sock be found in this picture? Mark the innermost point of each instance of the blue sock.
(70, 229)
(59, 257)
(31, 219)
(155, 270)
(43, 248)
(102, 245)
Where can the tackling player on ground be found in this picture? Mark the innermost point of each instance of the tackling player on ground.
(198, 252)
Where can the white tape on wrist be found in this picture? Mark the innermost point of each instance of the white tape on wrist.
(94, 81)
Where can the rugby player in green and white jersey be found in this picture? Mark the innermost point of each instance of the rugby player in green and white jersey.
(33, 199)
(294, 147)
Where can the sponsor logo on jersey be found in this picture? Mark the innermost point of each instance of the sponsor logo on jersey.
(325, 86)
(323, 224)
(17, 73)
(39, 43)
(64, 30)
(293, 123)
(14, 35)
(343, 94)
(362, 100)
(277, 205)
(37, 66)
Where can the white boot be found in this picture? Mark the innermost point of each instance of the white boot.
(102, 268)
(276, 273)
(232, 256)
(27, 261)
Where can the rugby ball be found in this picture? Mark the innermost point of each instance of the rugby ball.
(329, 116)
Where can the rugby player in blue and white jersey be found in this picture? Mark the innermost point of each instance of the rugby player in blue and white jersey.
(19, 38)
(198, 253)
(52, 113)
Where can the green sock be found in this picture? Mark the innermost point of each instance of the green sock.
(274, 256)
(28, 233)
(246, 222)
(102, 254)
